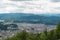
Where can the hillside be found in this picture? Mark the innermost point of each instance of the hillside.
(31, 18)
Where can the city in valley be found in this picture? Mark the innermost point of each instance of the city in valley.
(8, 29)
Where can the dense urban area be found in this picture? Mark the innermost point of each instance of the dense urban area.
(45, 35)
(9, 29)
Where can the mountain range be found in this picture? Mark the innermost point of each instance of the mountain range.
(52, 19)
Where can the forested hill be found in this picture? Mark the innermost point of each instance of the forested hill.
(31, 18)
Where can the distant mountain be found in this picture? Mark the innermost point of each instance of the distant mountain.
(31, 18)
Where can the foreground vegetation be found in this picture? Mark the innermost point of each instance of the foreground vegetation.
(51, 35)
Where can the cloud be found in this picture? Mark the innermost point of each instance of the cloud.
(36, 7)
(55, 0)
(15, 0)
(58, 8)
(18, 0)
(23, 0)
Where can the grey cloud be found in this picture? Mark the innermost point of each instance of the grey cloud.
(55, 0)
(10, 4)
(17, 11)
(2, 6)
(58, 8)
(20, 0)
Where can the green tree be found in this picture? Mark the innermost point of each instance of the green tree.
(20, 36)
(58, 31)
(43, 36)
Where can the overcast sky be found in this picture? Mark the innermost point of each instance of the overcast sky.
(30, 6)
